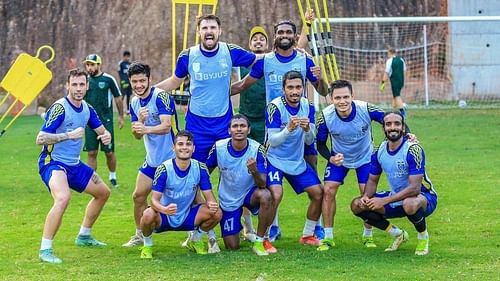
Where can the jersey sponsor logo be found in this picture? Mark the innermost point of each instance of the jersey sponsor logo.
(200, 76)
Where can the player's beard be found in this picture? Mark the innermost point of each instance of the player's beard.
(393, 137)
(143, 92)
(211, 48)
(284, 46)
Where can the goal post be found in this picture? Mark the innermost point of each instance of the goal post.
(444, 65)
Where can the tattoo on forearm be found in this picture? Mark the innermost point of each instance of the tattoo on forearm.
(47, 138)
(96, 179)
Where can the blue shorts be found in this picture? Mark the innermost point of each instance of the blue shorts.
(298, 182)
(203, 144)
(397, 211)
(338, 173)
(230, 223)
(187, 225)
(147, 170)
(78, 176)
(310, 149)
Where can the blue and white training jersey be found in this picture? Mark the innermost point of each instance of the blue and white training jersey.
(210, 83)
(288, 156)
(350, 136)
(180, 187)
(235, 179)
(158, 147)
(398, 165)
(273, 67)
(64, 117)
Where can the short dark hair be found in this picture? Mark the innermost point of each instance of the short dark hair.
(77, 72)
(292, 74)
(288, 22)
(184, 133)
(239, 116)
(207, 17)
(392, 51)
(138, 68)
(126, 53)
(339, 84)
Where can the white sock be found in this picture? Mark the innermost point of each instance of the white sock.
(329, 232)
(138, 232)
(112, 175)
(367, 231)
(309, 227)
(148, 240)
(211, 234)
(46, 244)
(423, 235)
(247, 220)
(320, 220)
(394, 231)
(84, 231)
(275, 221)
(197, 234)
(259, 239)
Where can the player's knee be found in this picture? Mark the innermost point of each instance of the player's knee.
(148, 216)
(355, 206)
(265, 197)
(139, 196)
(316, 193)
(103, 193)
(92, 153)
(410, 205)
(62, 200)
(330, 190)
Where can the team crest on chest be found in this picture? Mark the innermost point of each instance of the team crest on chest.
(196, 66)
(223, 63)
(101, 85)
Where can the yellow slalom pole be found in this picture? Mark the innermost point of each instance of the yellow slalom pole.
(329, 30)
(320, 57)
(14, 119)
(8, 110)
(325, 42)
(174, 57)
(4, 99)
(200, 13)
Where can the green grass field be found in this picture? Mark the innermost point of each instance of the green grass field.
(463, 160)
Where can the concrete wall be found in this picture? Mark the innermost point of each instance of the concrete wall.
(475, 50)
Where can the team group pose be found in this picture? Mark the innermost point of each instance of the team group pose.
(178, 163)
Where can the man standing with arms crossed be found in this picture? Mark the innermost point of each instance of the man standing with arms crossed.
(153, 118)
(60, 167)
(102, 89)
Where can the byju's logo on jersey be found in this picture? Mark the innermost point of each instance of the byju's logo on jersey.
(200, 76)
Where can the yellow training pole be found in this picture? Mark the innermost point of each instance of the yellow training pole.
(325, 41)
(329, 30)
(14, 119)
(4, 99)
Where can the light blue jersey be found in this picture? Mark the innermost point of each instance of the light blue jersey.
(62, 118)
(177, 189)
(289, 155)
(158, 147)
(274, 70)
(210, 81)
(235, 180)
(399, 165)
(352, 138)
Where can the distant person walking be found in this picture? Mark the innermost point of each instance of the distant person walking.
(395, 69)
(125, 87)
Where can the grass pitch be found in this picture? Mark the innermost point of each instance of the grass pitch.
(463, 159)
